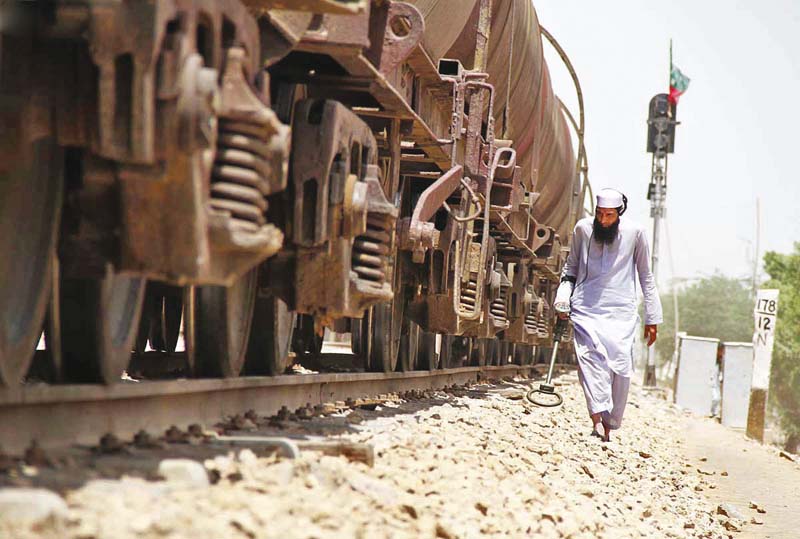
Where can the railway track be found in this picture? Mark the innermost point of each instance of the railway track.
(61, 415)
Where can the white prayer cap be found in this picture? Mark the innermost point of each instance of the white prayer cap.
(609, 198)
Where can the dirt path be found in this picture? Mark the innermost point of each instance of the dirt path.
(746, 471)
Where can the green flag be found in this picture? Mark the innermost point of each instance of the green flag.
(678, 83)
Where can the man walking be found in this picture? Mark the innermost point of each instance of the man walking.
(598, 293)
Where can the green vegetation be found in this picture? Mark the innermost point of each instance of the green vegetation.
(784, 272)
(718, 307)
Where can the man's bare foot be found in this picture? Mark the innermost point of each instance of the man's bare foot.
(598, 427)
(607, 430)
(600, 431)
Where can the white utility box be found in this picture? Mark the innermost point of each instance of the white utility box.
(737, 377)
(696, 376)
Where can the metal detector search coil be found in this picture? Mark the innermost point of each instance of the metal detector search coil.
(546, 395)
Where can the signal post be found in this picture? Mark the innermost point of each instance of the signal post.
(660, 143)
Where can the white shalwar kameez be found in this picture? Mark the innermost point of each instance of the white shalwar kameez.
(603, 311)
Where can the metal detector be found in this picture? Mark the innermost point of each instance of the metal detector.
(545, 394)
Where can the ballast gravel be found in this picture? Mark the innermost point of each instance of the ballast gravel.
(476, 462)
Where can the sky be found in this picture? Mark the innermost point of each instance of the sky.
(740, 118)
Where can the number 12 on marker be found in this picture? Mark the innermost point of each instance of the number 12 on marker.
(764, 323)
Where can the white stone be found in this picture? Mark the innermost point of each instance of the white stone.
(30, 506)
(246, 456)
(129, 486)
(729, 510)
(373, 488)
(185, 472)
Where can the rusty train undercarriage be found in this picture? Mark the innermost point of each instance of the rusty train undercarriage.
(258, 170)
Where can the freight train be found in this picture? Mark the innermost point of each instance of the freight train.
(254, 171)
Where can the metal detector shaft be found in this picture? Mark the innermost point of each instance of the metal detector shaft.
(552, 363)
(558, 333)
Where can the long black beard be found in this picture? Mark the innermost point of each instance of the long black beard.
(605, 235)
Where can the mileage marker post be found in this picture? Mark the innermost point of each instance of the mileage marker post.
(766, 313)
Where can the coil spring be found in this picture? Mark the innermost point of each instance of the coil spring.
(498, 306)
(544, 330)
(469, 295)
(239, 174)
(531, 324)
(371, 250)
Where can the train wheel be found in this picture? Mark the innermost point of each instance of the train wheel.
(427, 358)
(491, 352)
(189, 332)
(469, 350)
(522, 354)
(481, 352)
(543, 354)
(387, 321)
(360, 343)
(222, 320)
(447, 358)
(355, 336)
(52, 326)
(458, 351)
(306, 340)
(165, 319)
(493, 357)
(47, 363)
(143, 334)
(270, 337)
(502, 353)
(30, 210)
(99, 323)
(473, 352)
(409, 346)
(171, 319)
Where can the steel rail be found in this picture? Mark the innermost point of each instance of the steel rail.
(62, 415)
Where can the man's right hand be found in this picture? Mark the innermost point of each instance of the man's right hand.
(562, 309)
(650, 333)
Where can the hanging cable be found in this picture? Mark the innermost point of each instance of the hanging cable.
(580, 127)
(572, 73)
(582, 166)
(507, 109)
